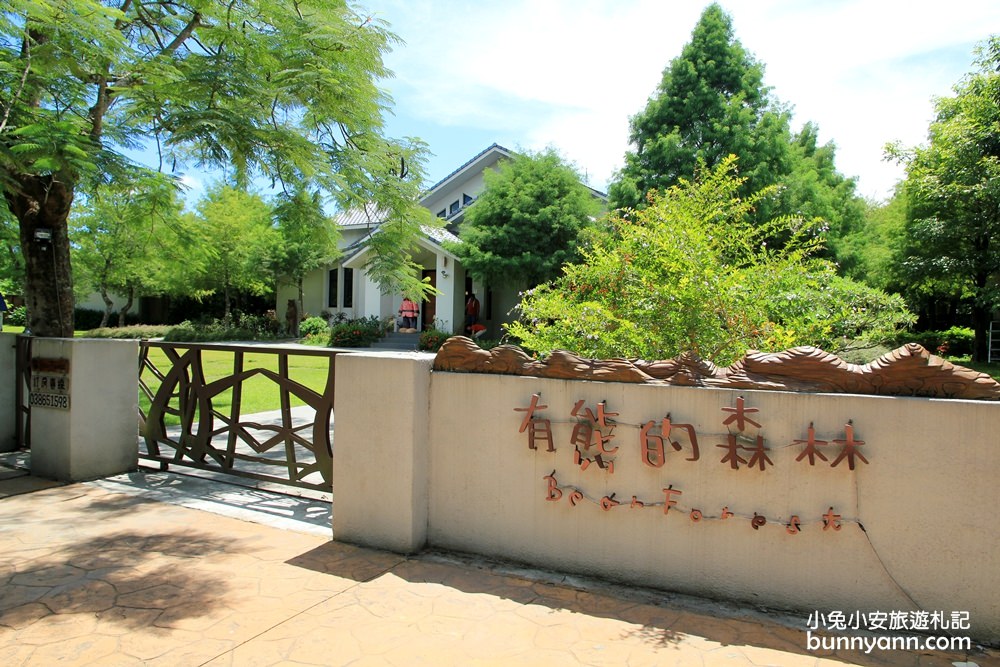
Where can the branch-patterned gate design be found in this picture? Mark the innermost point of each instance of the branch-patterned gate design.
(279, 451)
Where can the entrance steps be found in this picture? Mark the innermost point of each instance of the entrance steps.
(395, 340)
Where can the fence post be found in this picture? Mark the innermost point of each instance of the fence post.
(84, 407)
(8, 392)
(380, 450)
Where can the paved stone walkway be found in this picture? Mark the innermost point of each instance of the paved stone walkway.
(91, 574)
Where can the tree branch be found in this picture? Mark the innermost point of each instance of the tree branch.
(183, 35)
(96, 113)
(26, 51)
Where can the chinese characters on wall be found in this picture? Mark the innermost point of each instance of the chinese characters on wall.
(595, 445)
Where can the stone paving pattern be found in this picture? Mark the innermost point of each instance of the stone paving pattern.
(92, 577)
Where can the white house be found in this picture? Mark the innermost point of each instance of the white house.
(344, 287)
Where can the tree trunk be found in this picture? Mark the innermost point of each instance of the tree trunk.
(42, 203)
(124, 309)
(109, 305)
(982, 315)
(301, 303)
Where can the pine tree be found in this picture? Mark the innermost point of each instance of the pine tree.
(711, 103)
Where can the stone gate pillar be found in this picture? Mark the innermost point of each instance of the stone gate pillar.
(84, 407)
(380, 450)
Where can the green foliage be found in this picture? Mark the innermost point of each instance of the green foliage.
(953, 191)
(814, 190)
(952, 342)
(235, 232)
(313, 326)
(128, 239)
(874, 249)
(17, 317)
(360, 332)
(692, 272)
(234, 327)
(306, 238)
(11, 258)
(431, 340)
(526, 223)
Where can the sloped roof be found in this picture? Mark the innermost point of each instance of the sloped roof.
(439, 234)
(506, 152)
(493, 147)
(433, 235)
(367, 216)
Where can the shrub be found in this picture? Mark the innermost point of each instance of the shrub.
(134, 332)
(432, 339)
(953, 342)
(692, 273)
(360, 332)
(88, 318)
(16, 317)
(235, 328)
(313, 326)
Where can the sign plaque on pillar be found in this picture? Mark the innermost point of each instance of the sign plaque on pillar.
(49, 384)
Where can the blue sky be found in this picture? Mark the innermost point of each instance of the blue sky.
(568, 73)
(529, 74)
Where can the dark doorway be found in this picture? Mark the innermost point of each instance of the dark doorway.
(428, 307)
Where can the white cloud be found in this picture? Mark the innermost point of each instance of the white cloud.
(570, 74)
(191, 183)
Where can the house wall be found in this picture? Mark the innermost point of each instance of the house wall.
(471, 185)
(94, 301)
(454, 472)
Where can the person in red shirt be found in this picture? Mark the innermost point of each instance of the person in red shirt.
(408, 310)
(471, 312)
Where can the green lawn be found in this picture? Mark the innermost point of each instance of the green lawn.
(259, 394)
(992, 370)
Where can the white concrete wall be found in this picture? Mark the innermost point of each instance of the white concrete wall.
(926, 499)
(380, 458)
(449, 289)
(8, 392)
(96, 436)
(95, 301)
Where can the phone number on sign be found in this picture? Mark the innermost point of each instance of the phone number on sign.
(49, 401)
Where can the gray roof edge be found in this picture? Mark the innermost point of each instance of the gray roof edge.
(494, 146)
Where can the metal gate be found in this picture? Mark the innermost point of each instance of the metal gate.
(191, 415)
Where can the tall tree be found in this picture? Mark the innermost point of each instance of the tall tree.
(526, 223)
(283, 89)
(953, 189)
(126, 240)
(815, 191)
(306, 238)
(235, 228)
(11, 259)
(711, 103)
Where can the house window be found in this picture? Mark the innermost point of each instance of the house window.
(455, 207)
(348, 288)
(331, 292)
(466, 199)
(443, 213)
